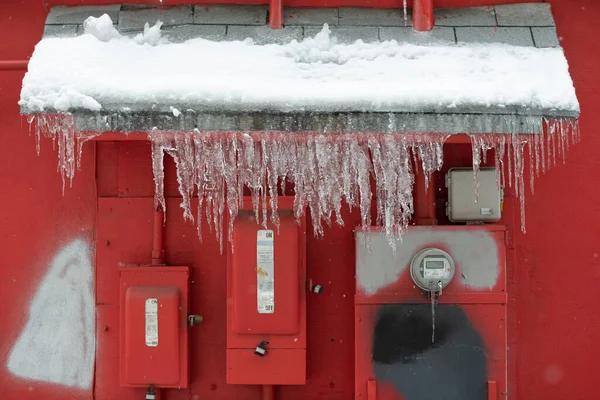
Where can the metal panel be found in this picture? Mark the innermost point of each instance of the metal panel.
(154, 331)
(413, 352)
(463, 205)
(282, 325)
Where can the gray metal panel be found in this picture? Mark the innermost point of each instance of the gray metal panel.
(462, 205)
(474, 252)
(62, 15)
(468, 16)
(310, 16)
(230, 15)
(439, 34)
(526, 14)
(373, 16)
(514, 36)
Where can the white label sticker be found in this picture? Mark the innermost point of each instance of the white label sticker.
(152, 322)
(265, 278)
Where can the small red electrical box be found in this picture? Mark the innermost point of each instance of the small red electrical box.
(266, 308)
(154, 332)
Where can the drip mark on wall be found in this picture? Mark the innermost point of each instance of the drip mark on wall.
(57, 344)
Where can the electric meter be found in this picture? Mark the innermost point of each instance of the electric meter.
(432, 269)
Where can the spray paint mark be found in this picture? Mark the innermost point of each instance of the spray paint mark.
(475, 252)
(452, 368)
(58, 342)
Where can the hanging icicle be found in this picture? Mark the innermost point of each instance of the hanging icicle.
(325, 169)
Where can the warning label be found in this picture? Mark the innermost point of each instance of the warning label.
(151, 322)
(265, 279)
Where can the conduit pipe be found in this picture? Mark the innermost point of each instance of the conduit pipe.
(158, 241)
(268, 392)
(276, 14)
(13, 65)
(422, 15)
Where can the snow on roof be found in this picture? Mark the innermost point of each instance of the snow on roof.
(106, 71)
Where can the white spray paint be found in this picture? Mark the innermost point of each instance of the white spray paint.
(475, 253)
(57, 344)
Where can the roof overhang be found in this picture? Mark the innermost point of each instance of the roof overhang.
(116, 78)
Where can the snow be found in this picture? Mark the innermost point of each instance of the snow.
(103, 70)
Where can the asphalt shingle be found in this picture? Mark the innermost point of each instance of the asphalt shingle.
(134, 20)
(355, 16)
(62, 15)
(230, 15)
(514, 36)
(310, 16)
(469, 16)
(527, 14)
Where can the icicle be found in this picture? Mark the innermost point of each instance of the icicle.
(81, 138)
(499, 147)
(405, 13)
(518, 146)
(160, 142)
(432, 295)
(325, 169)
(531, 150)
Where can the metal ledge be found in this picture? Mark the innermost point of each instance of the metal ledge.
(146, 121)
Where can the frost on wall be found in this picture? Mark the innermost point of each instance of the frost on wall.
(57, 344)
(325, 169)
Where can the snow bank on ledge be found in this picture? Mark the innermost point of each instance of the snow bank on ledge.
(104, 70)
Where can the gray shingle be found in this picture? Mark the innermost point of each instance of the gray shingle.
(528, 14)
(468, 16)
(60, 31)
(409, 35)
(178, 34)
(355, 16)
(515, 36)
(348, 35)
(134, 20)
(545, 37)
(310, 16)
(61, 15)
(264, 34)
(231, 15)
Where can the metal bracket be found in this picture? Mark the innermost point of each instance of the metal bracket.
(195, 320)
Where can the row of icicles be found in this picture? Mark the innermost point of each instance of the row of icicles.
(325, 170)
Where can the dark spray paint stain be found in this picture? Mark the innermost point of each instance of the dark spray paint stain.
(452, 368)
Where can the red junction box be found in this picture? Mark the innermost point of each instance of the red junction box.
(266, 289)
(154, 333)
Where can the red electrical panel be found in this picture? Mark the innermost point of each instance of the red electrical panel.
(403, 349)
(267, 300)
(154, 332)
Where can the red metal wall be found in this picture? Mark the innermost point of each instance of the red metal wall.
(552, 275)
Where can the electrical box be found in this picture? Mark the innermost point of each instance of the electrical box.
(266, 308)
(462, 204)
(154, 332)
(411, 343)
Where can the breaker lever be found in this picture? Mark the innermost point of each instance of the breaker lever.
(195, 320)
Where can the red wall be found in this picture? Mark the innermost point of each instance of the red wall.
(556, 265)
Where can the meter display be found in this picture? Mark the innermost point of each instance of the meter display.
(432, 269)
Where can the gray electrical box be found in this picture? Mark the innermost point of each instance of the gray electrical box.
(462, 207)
